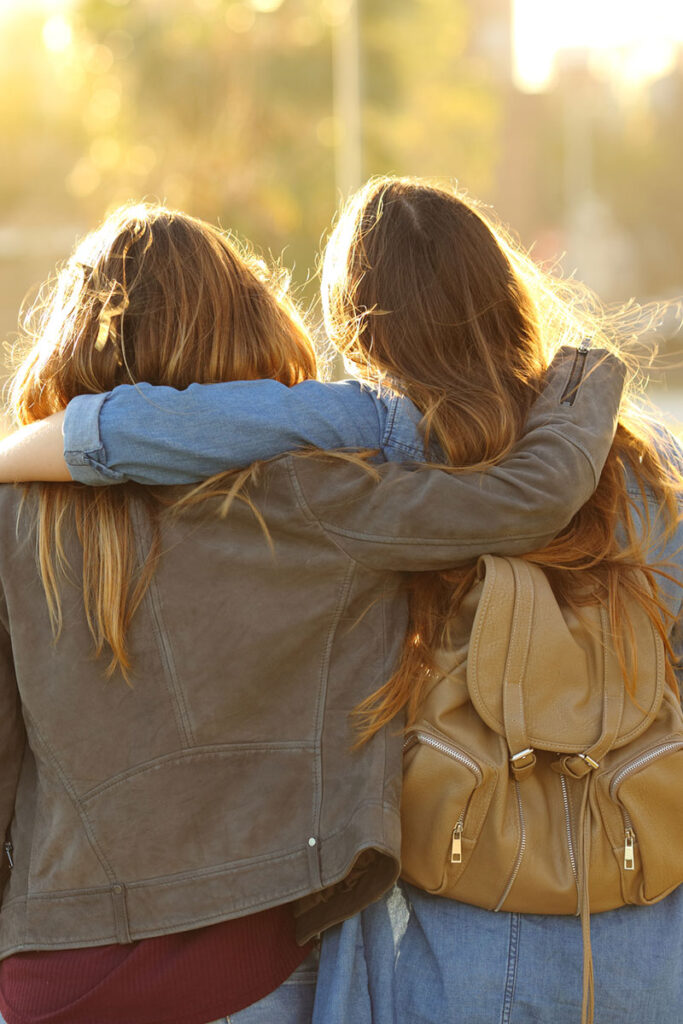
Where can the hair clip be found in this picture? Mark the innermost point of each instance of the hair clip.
(105, 331)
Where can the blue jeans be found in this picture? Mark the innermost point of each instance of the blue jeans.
(412, 958)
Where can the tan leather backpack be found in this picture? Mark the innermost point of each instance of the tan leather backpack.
(532, 781)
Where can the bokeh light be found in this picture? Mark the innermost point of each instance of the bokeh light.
(260, 114)
(57, 34)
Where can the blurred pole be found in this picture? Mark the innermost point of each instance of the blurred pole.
(577, 170)
(577, 147)
(346, 101)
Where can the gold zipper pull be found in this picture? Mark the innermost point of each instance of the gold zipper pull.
(629, 852)
(456, 844)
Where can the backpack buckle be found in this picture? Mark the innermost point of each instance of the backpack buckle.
(576, 766)
(523, 763)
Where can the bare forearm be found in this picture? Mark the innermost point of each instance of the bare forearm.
(34, 452)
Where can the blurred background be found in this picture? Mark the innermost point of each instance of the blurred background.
(262, 114)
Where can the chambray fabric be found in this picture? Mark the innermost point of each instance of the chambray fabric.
(412, 958)
(157, 435)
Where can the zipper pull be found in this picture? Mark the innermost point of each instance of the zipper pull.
(8, 854)
(629, 853)
(456, 844)
(585, 345)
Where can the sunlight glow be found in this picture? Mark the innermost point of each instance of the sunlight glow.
(266, 6)
(637, 41)
(57, 34)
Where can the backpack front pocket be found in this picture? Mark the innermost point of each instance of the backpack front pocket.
(648, 791)
(444, 803)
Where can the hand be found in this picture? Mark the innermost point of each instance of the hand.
(34, 452)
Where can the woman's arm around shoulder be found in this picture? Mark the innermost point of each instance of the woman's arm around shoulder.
(35, 452)
(392, 518)
(159, 435)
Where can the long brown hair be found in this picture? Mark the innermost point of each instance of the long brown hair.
(152, 295)
(424, 293)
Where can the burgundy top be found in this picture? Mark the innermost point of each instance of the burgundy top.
(192, 977)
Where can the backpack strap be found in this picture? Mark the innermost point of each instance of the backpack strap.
(522, 756)
(577, 766)
(581, 766)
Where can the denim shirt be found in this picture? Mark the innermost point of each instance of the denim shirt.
(158, 435)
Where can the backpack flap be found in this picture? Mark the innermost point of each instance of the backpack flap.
(542, 676)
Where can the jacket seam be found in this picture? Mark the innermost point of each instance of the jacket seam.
(323, 682)
(329, 531)
(168, 662)
(299, 495)
(476, 543)
(159, 882)
(76, 803)
(177, 925)
(171, 881)
(383, 804)
(164, 647)
(581, 448)
(196, 753)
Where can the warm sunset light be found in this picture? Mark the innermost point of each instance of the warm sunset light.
(630, 40)
(57, 34)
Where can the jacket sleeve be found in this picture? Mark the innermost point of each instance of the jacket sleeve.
(158, 435)
(12, 741)
(395, 517)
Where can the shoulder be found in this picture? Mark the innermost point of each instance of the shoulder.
(14, 498)
(668, 448)
(18, 521)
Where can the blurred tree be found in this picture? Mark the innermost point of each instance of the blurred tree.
(224, 107)
(638, 167)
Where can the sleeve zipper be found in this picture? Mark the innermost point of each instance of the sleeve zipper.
(577, 372)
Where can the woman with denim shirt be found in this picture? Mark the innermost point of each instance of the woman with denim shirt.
(412, 957)
(159, 707)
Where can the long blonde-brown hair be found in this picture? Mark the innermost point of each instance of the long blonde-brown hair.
(152, 295)
(423, 292)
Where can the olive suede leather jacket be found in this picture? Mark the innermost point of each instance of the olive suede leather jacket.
(222, 780)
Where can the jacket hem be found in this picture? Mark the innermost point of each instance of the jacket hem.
(59, 921)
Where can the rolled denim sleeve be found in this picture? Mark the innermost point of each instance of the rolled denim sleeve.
(84, 451)
(159, 435)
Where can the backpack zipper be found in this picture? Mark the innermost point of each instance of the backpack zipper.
(456, 840)
(444, 748)
(8, 853)
(456, 754)
(623, 773)
(576, 375)
(520, 851)
(568, 828)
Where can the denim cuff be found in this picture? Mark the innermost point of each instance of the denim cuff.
(84, 452)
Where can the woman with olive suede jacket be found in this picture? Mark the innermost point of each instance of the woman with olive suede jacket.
(220, 780)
